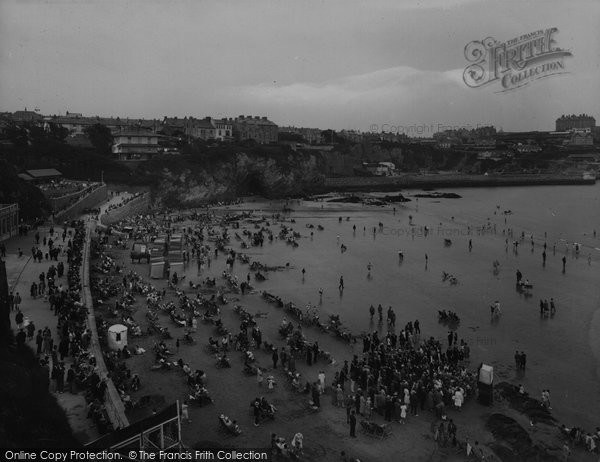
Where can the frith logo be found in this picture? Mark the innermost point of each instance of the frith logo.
(514, 63)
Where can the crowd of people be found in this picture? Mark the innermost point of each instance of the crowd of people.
(397, 376)
(65, 356)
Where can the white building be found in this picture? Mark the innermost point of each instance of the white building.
(135, 144)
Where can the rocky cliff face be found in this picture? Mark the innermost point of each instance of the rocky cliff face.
(343, 163)
(224, 173)
(188, 182)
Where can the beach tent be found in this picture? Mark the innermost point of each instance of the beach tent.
(117, 337)
(486, 374)
(485, 385)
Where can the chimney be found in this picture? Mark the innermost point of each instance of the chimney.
(257, 117)
(264, 118)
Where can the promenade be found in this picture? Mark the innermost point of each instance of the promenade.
(21, 273)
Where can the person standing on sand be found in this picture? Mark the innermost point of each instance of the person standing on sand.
(341, 285)
(339, 395)
(353, 424)
(564, 262)
(349, 406)
(19, 319)
(185, 411)
(39, 341)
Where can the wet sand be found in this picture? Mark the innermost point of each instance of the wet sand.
(415, 292)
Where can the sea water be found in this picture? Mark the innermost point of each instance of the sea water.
(563, 351)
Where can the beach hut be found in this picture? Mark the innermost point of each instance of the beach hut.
(485, 385)
(117, 337)
(157, 270)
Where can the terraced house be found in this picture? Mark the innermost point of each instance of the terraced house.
(259, 129)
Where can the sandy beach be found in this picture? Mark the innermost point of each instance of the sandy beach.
(415, 291)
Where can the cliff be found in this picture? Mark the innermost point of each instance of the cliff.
(188, 180)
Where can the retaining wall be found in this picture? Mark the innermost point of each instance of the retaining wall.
(113, 403)
(62, 202)
(137, 206)
(447, 181)
(92, 200)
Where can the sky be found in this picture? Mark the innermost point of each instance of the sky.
(390, 65)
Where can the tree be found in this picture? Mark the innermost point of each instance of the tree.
(101, 137)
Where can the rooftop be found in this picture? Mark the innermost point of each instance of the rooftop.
(25, 177)
(138, 133)
(249, 120)
(43, 173)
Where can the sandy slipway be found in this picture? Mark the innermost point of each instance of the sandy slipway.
(504, 430)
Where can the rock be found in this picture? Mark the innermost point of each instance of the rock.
(439, 195)
(513, 443)
(347, 200)
(531, 407)
(397, 198)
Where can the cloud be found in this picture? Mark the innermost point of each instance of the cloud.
(399, 82)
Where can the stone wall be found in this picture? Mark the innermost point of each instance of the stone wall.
(92, 200)
(137, 206)
(59, 203)
(113, 403)
(447, 181)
